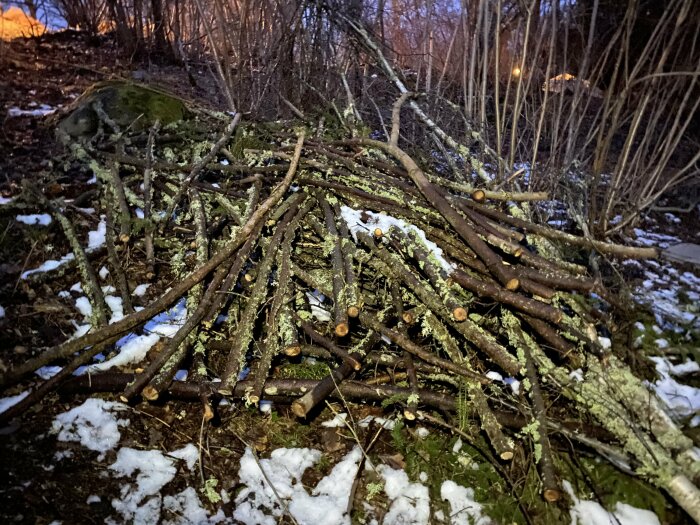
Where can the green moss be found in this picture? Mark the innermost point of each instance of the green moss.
(307, 369)
(251, 137)
(127, 104)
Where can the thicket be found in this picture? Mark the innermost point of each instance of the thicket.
(597, 98)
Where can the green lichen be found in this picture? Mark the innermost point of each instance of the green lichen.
(209, 490)
(373, 489)
(533, 430)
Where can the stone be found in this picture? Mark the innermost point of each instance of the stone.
(128, 104)
(685, 252)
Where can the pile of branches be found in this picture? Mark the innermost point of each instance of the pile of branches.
(412, 290)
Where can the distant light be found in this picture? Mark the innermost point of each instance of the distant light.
(516, 72)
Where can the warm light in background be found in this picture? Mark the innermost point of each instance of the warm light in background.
(516, 72)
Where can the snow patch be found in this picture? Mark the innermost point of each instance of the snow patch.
(259, 504)
(410, 502)
(92, 424)
(35, 220)
(42, 111)
(132, 349)
(189, 454)
(140, 290)
(96, 239)
(682, 400)
(8, 402)
(355, 220)
(47, 372)
(316, 299)
(586, 512)
(84, 307)
(463, 509)
(115, 304)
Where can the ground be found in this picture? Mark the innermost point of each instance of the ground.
(105, 468)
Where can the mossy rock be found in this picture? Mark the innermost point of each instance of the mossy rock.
(126, 103)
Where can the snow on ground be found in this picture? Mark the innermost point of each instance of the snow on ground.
(10, 401)
(464, 510)
(41, 111)
(140, 290)
(673, 297)
(133, 348)
(141, 501)
(585, 512)
(273, 488)
(93, 424)
(410, 502)
(43, 219)
(47, 372)
(682, 400)
(96, 239)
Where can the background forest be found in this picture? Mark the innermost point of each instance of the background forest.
(601, 88)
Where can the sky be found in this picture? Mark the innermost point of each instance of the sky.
(46, 14)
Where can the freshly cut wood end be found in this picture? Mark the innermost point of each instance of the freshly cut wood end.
(248, 278)
(513, 284)
(378, 233)
(150, 393)
(254, 399)
(342, 329)
(518, 252)
(506, 455)
(409, 414)
(298, 409)
(124, 238)
(225, 391)
(408, 318)
(208, 413)
(292, 351)
(353, 311)
(459, 314)
(123, 399)
(552, 495)
(479, 195)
